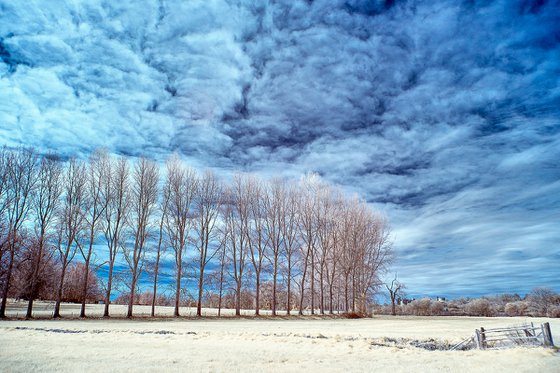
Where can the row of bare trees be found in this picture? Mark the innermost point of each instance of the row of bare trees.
(317, 248)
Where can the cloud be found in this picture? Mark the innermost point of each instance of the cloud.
(444, 114)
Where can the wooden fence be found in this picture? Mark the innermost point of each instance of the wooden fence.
(511, 336)
(523, 335)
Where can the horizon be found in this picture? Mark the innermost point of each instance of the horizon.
(444, 116)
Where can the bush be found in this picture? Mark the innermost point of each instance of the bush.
(554, 311)
(437, 309)
(354, 315)
(420, 307)
(541, 301)
(516, 308)
(380, 309)
(479, 307)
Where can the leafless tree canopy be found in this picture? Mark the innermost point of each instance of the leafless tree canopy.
(277, 244)
(180, 186)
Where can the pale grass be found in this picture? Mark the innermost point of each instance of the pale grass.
(257, 345)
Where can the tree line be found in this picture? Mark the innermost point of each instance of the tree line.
(539, 302)
(302, 244)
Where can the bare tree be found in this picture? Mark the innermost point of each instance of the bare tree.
(326, 231)
(274, 199)
(163, 206)
(5, 165)
(236, 216)
(395, 289)
(289, 228)
(182, 185)
(333, 248)
(45, 202)
(374, 253)
(207, 203)
(256, 234)
(97, 200)
(22, 169)
(307, 227)
(71, 220)
(223, 262)
(347, 255)
(115, 186)
(143, 203)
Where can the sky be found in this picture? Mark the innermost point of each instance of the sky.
(444, 115)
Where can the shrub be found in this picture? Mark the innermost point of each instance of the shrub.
(354, 315)
(554, 311)
(479, 307)
(541, 301)
(516, 308)
(437, 309)
(419, 307)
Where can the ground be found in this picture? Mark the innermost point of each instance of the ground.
(309, 344)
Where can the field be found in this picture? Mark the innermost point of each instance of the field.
(309, 344)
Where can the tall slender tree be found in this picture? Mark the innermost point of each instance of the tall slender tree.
(237, 216)
(256, 234)
(274, 212)
(143, 202)
(182, 185)
(207, 203)
(21, 180)
(160, 249)
(307, 227)
(223, 261)
(116, 187)
(289, 227)
(97, 201)
(45, 203)
(71, 220)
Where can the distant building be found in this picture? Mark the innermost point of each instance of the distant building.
(404, 301)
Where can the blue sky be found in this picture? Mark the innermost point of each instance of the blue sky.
(443, 114)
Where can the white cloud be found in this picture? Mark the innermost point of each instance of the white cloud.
(443, 113)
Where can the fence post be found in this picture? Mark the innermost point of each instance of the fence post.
(547, 335)
(482, 338)
(477, 339)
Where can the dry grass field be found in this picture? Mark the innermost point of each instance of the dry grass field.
(307, 344)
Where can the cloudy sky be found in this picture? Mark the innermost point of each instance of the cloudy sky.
(443, 114)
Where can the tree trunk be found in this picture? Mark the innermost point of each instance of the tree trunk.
(322, 292)
(7, 283)
(178, 288)
(274, 275)
(132, 294)
(302, 293)
(221, 284)
(346, 300)
(238, 299)
(220, 294)
(56, 313)
(353, 293)
(331, 298)
(34, 275)
(108, 294)
(85, 287)
(200, 286)
(312, 274)
(156, 270)
(289, 288)
(257, 294)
